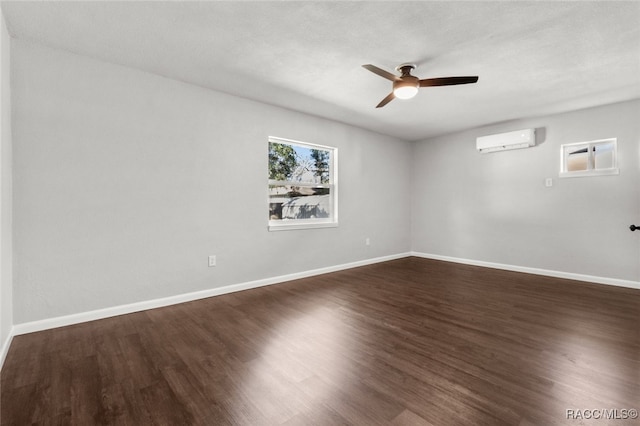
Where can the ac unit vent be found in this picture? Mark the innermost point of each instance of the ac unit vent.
(504, 141)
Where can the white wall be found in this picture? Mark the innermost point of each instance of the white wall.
(495, 207)
(6, 298)
(126, 181)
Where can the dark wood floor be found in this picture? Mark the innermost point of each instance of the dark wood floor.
(406, 342)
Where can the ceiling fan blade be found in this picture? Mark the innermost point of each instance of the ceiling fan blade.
(447, 81)
(381, 72)
(386, 100)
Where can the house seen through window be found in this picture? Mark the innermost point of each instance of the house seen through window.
(302, 185)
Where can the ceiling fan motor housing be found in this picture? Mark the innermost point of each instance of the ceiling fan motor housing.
(406, 86)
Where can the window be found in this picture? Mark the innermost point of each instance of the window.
(595, 158)
(302, 185)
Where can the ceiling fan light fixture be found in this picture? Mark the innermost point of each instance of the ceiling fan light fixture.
(405, 89)
(405, 92)
(405, 85)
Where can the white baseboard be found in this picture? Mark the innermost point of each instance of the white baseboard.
(33, 326)
(536, 271)
(5, 347)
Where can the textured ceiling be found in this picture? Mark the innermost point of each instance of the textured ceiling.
(533, 58)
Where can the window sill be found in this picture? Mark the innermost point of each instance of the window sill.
(588, 173)
(294, 226)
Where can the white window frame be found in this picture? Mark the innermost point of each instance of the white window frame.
(332, 220)
(591, 170)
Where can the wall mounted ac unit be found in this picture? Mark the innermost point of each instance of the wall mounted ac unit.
(503, 141)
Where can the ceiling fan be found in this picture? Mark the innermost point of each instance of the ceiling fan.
(405, 86)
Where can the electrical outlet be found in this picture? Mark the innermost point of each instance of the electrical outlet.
(367, 241)
(212, 260)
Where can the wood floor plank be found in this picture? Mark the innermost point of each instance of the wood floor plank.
(406, 342)
(408, 418)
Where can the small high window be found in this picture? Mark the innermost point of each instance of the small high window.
(595, 158)
(302, 185)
